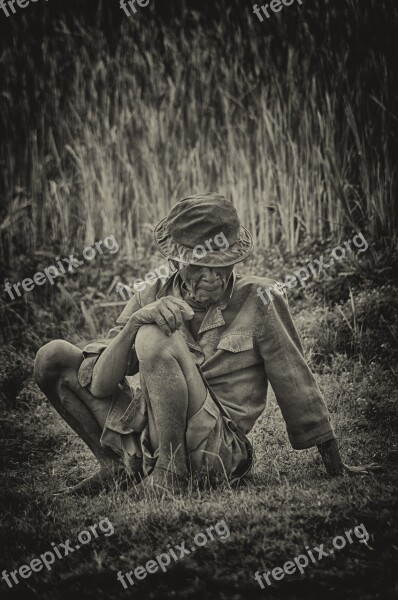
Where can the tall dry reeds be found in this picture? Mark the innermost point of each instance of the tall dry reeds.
(102, 139)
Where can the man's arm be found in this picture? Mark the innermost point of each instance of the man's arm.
(111, 366)
(330, 454)
(298, 395)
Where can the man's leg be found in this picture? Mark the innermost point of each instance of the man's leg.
(56, 367)
(175, 390)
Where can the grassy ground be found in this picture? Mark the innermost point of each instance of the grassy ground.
(288, 501)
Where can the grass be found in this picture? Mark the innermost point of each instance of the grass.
(288, 502)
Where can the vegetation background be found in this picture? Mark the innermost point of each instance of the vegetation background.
(105, 122)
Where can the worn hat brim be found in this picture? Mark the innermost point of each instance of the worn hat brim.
(201, 255)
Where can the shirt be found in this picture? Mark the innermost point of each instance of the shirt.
(242, 344)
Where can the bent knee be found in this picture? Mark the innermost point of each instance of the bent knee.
(152, 343)
(52, 359)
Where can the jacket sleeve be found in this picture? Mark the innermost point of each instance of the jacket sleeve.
(298, 395)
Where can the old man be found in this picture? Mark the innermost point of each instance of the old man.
(205, 348)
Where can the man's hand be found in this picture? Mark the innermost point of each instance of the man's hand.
(362, 470)
(334, 465)
(167, 312)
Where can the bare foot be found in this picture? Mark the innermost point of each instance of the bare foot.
(106, 478)
(160, 483)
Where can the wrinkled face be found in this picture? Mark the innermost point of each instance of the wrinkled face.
(206, 284)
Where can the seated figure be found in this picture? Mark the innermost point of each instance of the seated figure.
(203, 345)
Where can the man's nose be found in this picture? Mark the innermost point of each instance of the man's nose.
(209, 275)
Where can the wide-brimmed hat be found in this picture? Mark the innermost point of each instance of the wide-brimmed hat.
(203, 230)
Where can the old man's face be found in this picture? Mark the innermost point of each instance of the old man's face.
(206, 285)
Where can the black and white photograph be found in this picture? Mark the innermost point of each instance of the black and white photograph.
(199, 299)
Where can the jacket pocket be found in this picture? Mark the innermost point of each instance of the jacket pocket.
(236, 342)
